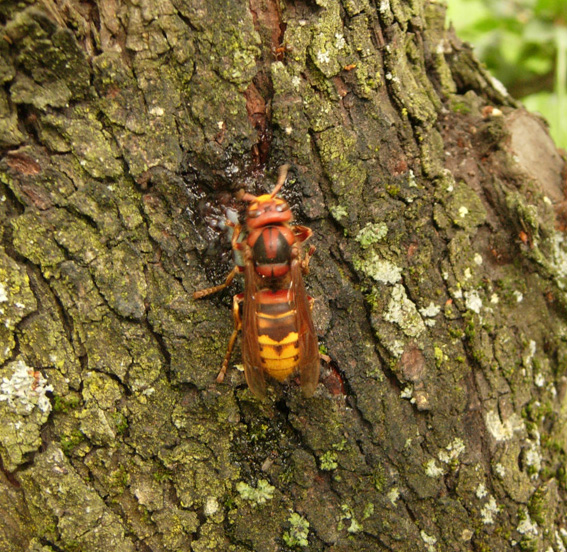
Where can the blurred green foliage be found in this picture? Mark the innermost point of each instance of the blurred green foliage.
(524, 44)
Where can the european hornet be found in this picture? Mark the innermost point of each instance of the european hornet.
(279, 338)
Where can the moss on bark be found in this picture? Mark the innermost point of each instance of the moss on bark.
(439, 278)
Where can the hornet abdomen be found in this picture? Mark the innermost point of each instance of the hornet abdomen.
(277, 333)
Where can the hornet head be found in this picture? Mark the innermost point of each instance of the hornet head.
(268, 209)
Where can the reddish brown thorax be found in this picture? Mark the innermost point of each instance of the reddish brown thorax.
(269, 234)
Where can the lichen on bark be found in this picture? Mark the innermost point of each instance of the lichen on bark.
(439, 277)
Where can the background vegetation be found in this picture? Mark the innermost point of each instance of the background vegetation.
(524, 44)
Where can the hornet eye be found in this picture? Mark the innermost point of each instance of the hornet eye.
(282, 207)
(253, 214)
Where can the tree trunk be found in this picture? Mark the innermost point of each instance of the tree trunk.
(126, 128)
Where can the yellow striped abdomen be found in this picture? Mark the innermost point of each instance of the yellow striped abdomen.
(279, 358)
(277, 334)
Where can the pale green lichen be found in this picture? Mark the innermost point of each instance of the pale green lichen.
(328, 461)
(298, 533)
(429, 540)
(527, 526)
(526, 214)
(433, 470)
(429, 313)
(24, 408)
(377, 268)
(25, 389)
(503, 430)
(338, 212)
(452, 451)
(368, 511)
(403, 312)
(559, 259)
(259, 495)
(439, 355)
(533, 456)
(372, 233)
(211, 506)
(396, 347)
(136, 107)
(354, 526)
(319, 110)
(393, 495)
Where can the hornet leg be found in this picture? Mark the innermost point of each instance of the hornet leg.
(236, 300)
(306, 259)
(204, 292)
(235, 245)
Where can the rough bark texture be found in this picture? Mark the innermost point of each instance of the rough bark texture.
(439, 277)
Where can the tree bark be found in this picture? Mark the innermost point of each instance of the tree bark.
(437, 209)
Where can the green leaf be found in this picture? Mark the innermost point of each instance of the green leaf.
(469, 11)
(512, 47)
(548, 106)
(540, 65)
(555, 10)
(538, 32)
